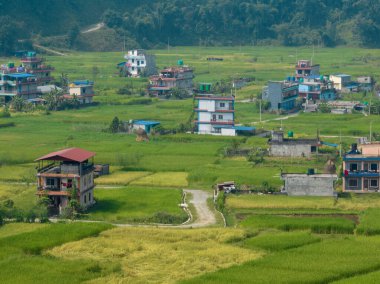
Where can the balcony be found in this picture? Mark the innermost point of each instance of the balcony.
(216, 122)
(361, 173)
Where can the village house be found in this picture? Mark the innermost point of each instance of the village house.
(35, 65)
(138, 63)
(310, 184)
(305, 69)
(318, 89)
(281, 95)
(215, 116)
(361, 168)
(61, 172)
(82, 90)
(145, 125)
(290, 147)
(343, 83)
(13, 84)
(179, 77)
(366, 83)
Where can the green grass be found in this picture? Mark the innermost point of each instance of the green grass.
(22, 260)
(165, 179)
(138, 205)
(369, 222)
(324, 225)
(322, 262)
(275, 241)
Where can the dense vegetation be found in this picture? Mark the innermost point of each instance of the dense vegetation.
(200, 22)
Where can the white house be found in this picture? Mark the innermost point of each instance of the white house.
(138, 63)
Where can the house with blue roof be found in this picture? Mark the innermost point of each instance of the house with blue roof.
(18, 84)
(144, 124)
(216, 116)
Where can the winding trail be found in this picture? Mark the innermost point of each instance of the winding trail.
(98, 26)
(49, 50)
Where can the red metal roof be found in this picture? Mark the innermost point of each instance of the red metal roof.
(70, 154)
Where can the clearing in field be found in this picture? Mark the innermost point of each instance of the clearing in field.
(149, 255)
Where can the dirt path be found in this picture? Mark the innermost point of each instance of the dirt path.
(98, 26)
(205, 217)
(48, 50)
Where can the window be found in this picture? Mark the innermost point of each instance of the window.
(313, 149)
(353, 167)
(133, 61)
(220, 116)
(69, 183)
(374, 167)
(217, 130)
(89, 196)
(352, 182)
(85, 198)
(133, 68)
(142, 62)
(373, 182)
(222, 104)
(50, 182)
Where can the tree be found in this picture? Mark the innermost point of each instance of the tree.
(54, 99)
(72, 35)
(114, 127)
(18, 103)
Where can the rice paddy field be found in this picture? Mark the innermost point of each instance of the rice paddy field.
(268, 238)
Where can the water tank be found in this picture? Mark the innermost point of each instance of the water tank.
(301, 80)
(289, 78)
(180, 62)
(290, 134)
(293, 79)
(321, 77)
(310, 171)
(208, 87)
(201, 87)
(11, 65)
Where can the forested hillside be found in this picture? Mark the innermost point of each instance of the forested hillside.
(198, 22)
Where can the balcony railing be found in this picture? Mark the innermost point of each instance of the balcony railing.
(361, 173)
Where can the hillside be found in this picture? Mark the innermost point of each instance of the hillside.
(202, 22)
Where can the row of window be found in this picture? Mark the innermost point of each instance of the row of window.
(355, 182)
(371, 167)
(87, 197)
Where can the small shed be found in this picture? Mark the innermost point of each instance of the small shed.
(145, 125)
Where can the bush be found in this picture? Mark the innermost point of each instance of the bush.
(166, 218)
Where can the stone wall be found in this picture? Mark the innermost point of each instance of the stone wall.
(313, 185)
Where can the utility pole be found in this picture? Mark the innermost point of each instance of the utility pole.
(370, 132)
(340, 143)
(260, 110)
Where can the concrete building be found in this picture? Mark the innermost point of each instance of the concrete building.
(305, 69)
(36, 66)
(62, 172)
(138, 63)
(343, 83)
(366, 83)
(180, 77)
(215, 115)
(289, 147)
(282, 95)
(83, 91)
(309, 184)
(361, 168)
(23, 85)
(319, 89)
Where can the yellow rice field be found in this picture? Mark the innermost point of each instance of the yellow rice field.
(154, 255)
(121, 177)
(164, 179)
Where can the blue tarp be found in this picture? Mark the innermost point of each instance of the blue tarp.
(20, 75)
(121, 64)
(145, 122)
(244, 128)
(329, 144)
(83, 82)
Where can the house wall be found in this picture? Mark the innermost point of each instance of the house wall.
(204, 128)
(314, 185)
(207, 105)
(228, 132)
(290, 150)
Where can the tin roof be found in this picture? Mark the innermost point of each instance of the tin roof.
(145, 122)
(70, 154)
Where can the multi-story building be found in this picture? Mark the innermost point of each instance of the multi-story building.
(180, 77)
(340, 81)
(35, 65)
(282, 95)
(64, 174)
(82, 91)
(305, 69)
(366, 83)
(138, 63)
(23, 85)
(317, 89)
(361, 168)
(215, 115)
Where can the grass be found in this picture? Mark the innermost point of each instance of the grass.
(369, 222)
(120, 178)
(149, 255)
(321, 225)
(22, 195)
(22, 260)
(164, 179)
(321, 262)
(277, 241)
(138, 205)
